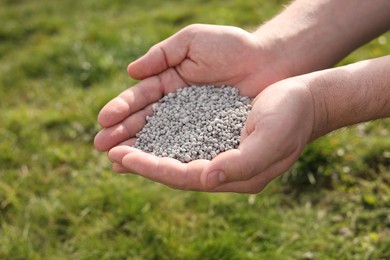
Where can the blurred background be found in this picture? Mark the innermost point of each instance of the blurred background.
(61, 61)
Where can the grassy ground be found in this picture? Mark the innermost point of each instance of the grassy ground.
(61, 61)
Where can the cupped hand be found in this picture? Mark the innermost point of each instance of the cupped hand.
(278, 127)
(198, 54)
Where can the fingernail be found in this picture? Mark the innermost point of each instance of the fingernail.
(215, 178)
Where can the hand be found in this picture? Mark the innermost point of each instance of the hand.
(278, 127)
(199, 54)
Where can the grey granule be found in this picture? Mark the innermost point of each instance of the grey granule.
(195, 123)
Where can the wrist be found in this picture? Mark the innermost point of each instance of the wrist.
(314, 35)
(350, 94)
(274, 67)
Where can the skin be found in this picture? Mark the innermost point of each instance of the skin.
(289, 110)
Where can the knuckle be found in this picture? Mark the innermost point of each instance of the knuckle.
(246, 171)
(256, 188)
(191, 27)
(254, 191)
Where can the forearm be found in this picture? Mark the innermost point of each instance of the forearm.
(348, 95)
(312, 35)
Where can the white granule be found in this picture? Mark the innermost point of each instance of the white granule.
(195, 123)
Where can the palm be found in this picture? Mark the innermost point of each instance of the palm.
(224, 55)
(278, 127)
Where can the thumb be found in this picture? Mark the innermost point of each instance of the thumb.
(168, 53)
(255, 154)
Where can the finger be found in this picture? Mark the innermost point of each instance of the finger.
(162, 56)
(146, 92)
(129, 142)
(117, 153)
(168, 171)
(255, 154)
(109, 137)
(130, 101)
(257, 183)
(118, 168)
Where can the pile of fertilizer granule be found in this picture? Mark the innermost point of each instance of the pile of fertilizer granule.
(195, 123)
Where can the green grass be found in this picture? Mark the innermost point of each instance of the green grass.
(61, 61)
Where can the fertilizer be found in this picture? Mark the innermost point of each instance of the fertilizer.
(196, 122)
